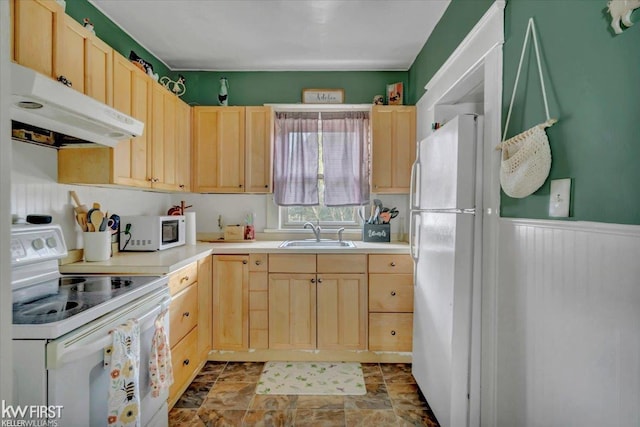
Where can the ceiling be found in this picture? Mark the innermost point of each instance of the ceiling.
(279, 35)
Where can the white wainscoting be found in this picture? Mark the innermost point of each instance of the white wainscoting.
(568, 330)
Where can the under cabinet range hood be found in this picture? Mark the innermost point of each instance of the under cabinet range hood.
(40, 101)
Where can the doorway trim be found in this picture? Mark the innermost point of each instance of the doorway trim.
(482, 47)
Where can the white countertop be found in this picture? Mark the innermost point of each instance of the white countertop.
(170, 260)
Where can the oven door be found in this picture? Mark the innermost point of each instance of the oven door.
(77, 379)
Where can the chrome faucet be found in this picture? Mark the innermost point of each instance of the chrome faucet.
(316, 229)
(340, 231)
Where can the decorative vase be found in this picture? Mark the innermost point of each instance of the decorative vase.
(223, 93)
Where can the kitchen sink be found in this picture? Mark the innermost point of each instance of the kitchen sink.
(313, 243)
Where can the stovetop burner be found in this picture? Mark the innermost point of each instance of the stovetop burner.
(67, 296)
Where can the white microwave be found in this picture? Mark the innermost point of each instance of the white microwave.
(151, 232)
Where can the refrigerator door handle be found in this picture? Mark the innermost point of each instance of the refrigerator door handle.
(414, 242)
(414, 194)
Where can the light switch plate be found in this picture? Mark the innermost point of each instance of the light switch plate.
(559, 198)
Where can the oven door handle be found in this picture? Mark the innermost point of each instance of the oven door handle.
(73, 354)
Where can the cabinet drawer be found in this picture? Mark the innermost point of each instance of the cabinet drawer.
(184, 358)
(183, 314)
(183, 278)
(391, 292)
(296, 263)
(390, 331)
(397, 263)
(258, 262)
(334, 263)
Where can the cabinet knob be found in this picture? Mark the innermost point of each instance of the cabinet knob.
(258, 262)
(185, 314)
(239, 185)
(393, 264)
(244, 261)
(319, 280)
(185, 362)
(313, 280)
(181, 186)
(266, 186)
(393, 332)
(393, 293)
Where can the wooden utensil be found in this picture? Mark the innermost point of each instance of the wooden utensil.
(79, 206)
(96, 218)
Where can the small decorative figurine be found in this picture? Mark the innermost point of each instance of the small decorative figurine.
(143, 65)
(378, 100)
(177, 86)
(88, 25)
(223, 93)
(620, 11)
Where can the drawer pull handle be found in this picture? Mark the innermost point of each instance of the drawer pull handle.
(393, 332)
(313, 280)
(258, 262)
(393, 293)
(184, 279)
(393, 264)
(244, 261)
(185, 362)
(185, 314)
(319, 280)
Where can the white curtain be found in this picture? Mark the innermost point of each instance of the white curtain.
(345, 154)
(295, 169)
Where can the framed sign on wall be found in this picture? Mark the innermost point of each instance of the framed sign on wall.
(322, 96)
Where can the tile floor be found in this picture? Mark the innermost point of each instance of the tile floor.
(223, 394)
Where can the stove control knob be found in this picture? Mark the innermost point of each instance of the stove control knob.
(52, 242)
(37, 244)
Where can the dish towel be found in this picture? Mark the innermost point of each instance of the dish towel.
(160, 368)
(122, 358)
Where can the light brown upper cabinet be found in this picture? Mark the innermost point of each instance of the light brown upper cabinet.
(86, 61)
(258, 143)
(54, 44)
(232, 149)
(129, 162)
(393, 148)
(170, 143)
(37, 35)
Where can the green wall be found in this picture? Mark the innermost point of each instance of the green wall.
(459, 18)
(593, 86)
(245, 88)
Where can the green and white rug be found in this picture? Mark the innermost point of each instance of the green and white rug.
(319, 378)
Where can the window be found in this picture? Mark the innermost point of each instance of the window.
(321, 168)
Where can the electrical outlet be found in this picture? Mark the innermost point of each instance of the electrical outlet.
(559, 198)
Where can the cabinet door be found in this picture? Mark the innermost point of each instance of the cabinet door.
(99, 69)
(204, 306)
(37, 35)
(183, 146)
(292, 311)
(230, 309)
(342, 311)
(141, 102)
(131, 96)
(73, 59)
(157, 134)
(393, 148)
(258, 142)
(218, 149)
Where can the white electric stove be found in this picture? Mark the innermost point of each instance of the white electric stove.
(61, 326)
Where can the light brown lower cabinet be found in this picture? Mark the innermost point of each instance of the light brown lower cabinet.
(230, 309)
(390, 302)
(317, 302)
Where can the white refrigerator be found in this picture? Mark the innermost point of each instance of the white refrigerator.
(445, 246)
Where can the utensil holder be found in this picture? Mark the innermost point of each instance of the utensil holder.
(97, 245)
(376, 233)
